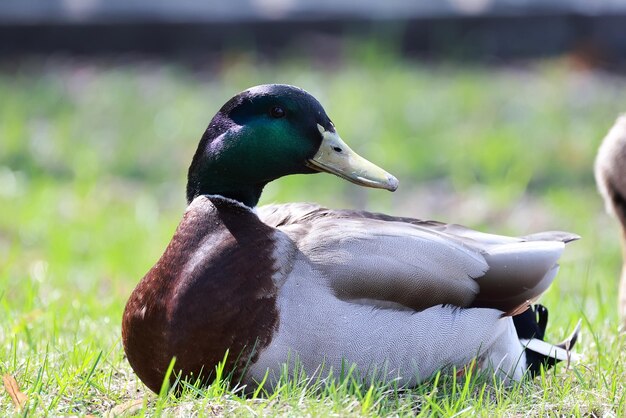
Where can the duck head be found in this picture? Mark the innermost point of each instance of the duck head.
(267, 132)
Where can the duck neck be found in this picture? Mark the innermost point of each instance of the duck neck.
(247, 195)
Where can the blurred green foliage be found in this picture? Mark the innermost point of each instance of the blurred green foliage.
(86, 122)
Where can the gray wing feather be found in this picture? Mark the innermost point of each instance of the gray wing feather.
(419, 264)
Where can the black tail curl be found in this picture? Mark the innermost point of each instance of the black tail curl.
(531, 324)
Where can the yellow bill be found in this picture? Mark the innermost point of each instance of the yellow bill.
(336, 157)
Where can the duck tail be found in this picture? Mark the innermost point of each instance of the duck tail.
(531, 328)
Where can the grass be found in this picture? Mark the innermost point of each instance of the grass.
(93, 158)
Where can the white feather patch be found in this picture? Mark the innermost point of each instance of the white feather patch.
(549, 350)
(228, 199)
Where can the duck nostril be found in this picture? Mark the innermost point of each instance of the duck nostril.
(337, 149)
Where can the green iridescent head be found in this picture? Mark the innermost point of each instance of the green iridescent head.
(271, 131)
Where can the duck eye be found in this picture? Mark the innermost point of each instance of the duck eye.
(337, 149)
(277, 112)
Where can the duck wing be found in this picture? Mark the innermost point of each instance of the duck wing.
(389, 261)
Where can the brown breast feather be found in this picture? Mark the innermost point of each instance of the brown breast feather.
(212, 290)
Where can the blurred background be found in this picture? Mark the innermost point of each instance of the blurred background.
(488, 111)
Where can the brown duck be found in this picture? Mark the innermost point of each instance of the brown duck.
(610, 171)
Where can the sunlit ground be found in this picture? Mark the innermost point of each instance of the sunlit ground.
(93, 158)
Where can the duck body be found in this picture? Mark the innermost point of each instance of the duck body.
(610, 172)
(320, 289)
(399, 298)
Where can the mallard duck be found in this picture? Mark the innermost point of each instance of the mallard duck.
(610, 170)
(320, 289)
